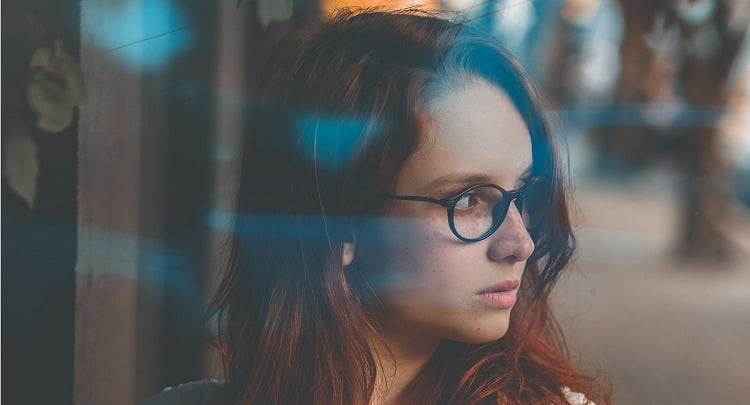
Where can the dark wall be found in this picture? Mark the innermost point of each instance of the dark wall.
(39, 241)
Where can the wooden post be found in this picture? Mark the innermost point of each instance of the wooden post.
(116, 320)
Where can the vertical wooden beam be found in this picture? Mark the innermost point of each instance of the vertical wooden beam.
(234, 43)
(116, 323)
(108, 217)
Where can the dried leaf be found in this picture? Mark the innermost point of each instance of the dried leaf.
(55, 87)
(20, 164)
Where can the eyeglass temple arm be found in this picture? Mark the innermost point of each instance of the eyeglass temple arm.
(444, 202)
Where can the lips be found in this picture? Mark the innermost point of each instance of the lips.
(501, 295)
(501, 287)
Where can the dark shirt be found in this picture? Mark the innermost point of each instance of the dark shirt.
(205, 392)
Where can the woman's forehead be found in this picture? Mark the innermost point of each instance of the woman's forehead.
(473, 129)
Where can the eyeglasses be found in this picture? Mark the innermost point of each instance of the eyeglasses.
(478, 211)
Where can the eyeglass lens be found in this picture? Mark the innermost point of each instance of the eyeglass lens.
(481, 209)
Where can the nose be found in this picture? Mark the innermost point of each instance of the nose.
(511, 242)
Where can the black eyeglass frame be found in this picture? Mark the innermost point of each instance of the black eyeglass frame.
(450, 203)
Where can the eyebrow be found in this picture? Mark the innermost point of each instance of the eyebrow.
(455, 179)
(466, 179)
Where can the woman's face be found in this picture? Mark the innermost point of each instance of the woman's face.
(429, 281)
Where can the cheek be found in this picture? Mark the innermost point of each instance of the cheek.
(427, 279)
(417, 262)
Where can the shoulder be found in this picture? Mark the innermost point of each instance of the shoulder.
(576, 398)
(205, 392)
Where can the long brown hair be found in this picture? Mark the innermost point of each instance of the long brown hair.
(330, 126)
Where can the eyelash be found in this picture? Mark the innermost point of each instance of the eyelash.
(455, 192)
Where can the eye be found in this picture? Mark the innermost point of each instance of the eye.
(467, 201)
(478, 198)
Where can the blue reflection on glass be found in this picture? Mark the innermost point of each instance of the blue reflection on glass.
(145, 35)
(311, 227)
(643, 114)
(158, 268)
(332, 141)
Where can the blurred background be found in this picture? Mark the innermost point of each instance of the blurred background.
(120, 124)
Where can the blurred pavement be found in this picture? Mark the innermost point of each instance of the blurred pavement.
(661, 332)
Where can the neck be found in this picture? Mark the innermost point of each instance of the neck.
(401, 358)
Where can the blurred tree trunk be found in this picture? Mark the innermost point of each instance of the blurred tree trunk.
(683, 62)
(627, 143)
(705, 78)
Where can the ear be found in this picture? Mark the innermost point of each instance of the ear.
(347, 253)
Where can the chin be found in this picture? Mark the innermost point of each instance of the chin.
(483, 334)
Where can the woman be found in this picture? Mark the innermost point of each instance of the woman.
(400, 197)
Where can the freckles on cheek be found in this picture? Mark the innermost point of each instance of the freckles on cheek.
(413, 252)
(418, 236)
